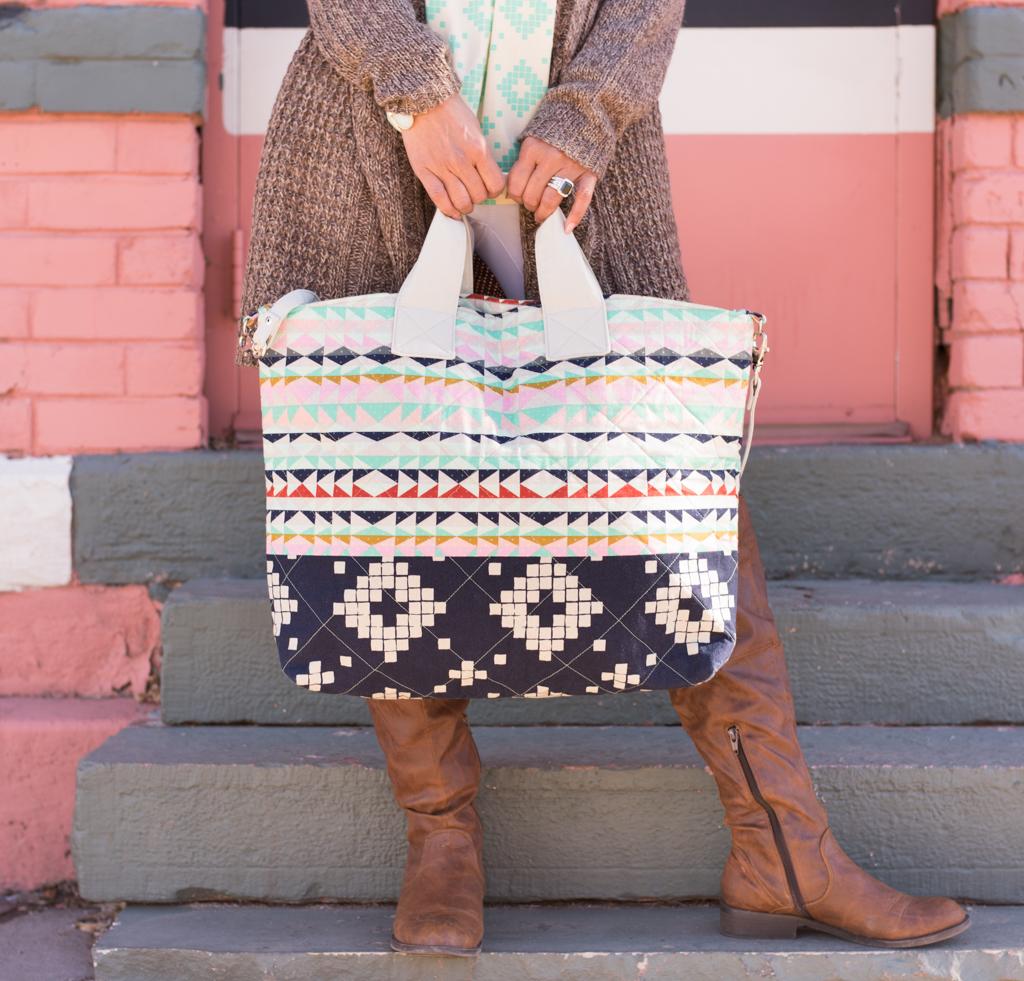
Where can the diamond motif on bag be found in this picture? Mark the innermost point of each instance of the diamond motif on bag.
(543, 580)
(414, 603)
(670, 609)
(315, 678)
(620, 676)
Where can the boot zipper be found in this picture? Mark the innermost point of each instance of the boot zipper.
(773, 818)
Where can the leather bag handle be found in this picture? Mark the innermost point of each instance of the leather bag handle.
(572, 304)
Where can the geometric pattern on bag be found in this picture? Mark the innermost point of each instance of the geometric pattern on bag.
(469, 478)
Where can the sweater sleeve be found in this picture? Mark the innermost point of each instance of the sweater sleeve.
(380, 46)
(613, 80)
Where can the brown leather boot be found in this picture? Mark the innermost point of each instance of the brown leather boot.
(785, 871)
(435, 771)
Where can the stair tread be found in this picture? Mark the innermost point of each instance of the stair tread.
(595, 942)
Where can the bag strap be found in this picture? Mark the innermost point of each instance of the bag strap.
(572, 305)
(754, 389)
(270, 318)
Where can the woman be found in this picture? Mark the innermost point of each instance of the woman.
(346, 189)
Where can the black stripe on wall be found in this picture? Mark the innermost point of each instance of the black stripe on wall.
(808, 13)
(699, 13)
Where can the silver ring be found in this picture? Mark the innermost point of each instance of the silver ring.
(563, 185)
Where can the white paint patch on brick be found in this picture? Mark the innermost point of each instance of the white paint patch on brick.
(35, 521)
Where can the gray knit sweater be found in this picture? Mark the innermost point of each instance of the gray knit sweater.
(338, 209)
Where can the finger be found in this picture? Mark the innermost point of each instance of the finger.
(519, 175)
(474, 184)
(490, 173)
(548, 166)
(439, 195)
(458, 193)
(581, 199)
(536, 185)
(550, 201)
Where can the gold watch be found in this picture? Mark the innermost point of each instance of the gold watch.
(400, 120)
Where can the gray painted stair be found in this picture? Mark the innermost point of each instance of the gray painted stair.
(169, 814)
(545, 943)
(894, 512)
(904, 653)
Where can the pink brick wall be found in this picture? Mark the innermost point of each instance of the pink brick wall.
(980, 274)
(101, 273)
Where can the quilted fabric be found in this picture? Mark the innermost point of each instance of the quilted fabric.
(498, 524)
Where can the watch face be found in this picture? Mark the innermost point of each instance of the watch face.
(400, 120)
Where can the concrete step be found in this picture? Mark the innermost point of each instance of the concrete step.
(560, 943)
(900, 653)
(899, 512)
(178, 814)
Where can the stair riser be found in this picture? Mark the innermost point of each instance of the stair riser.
(832, 966)
(899, 654)
(547, 943)
(631, 815)
(899, 512)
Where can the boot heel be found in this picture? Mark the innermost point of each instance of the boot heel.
(756, 926)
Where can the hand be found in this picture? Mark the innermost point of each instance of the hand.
(449, 155)
(538, 162)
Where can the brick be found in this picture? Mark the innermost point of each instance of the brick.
(56, 260)
(13, 366)
(15, 425)
(40, 145)
(152, 147)
(92, 368)
(17, 85)
(95, 641)
(166, 260)
(976, 415)
(981, 141)
(164, 369)
(980, 305)
(980, 252)
(13, 204)
(944, 7)
(36, 496)
(1017, 254)
(988, 197)
(94, 314)
(114, 203)
(114, 425)
(987, 361)
(15, 320)
(41, 742)
(123, 85)
(199, 4)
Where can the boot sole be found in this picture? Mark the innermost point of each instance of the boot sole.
(436, 949)
(779, 926)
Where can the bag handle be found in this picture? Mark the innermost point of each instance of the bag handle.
(572, 304)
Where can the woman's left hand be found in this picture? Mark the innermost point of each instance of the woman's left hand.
(527, 181)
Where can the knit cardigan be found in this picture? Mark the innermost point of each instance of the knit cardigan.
(338, 209)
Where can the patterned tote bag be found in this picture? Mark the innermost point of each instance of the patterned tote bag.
(483, 498)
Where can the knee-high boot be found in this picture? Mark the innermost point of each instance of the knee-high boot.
(434, 768)
(786, 871)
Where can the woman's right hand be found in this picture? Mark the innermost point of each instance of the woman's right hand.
(449, 154)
